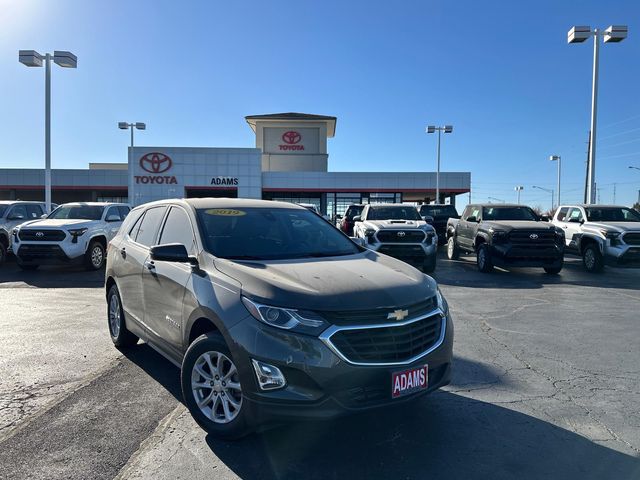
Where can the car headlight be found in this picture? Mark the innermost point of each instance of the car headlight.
(613, 237)
(442, 302)
(499, 236)
(302, 321)
(15, 234)
(370, 235)
(75, 233)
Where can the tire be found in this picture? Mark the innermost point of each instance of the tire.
(200, 367)
(553, 270)
(453, 253)
(120, 335)
(592, 259)
(28, 267)
(94, 257)
(429, 265)
(483, 259)
(3, 253)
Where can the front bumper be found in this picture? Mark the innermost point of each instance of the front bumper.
(412, 253)
(320, 384)
(49, 253)
(531, 256)
(622, 255)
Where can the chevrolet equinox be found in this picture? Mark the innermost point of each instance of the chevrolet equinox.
(272, 314)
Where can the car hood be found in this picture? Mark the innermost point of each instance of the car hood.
(363, 281)
(619, 226)
(382, 224)
(509, 225)
(58, 223)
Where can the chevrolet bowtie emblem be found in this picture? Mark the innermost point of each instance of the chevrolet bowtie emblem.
(398, 315)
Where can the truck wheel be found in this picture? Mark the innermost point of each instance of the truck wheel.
(452, 249)
(212, 388)
(94, 256)
(553, 270)
(120, 335)
(3, 253)
(483, 259)
(429, 265)
(592, 259)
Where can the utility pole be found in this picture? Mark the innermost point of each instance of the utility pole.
(614, 193)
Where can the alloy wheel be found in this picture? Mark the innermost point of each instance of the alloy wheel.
(215, 385)
(96, 256)
(114, 316)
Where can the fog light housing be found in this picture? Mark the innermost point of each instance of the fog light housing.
(269, 377)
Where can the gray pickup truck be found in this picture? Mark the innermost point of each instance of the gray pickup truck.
(507, 236)
(601, 234)
(12, 214)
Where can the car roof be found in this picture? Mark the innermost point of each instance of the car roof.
(584, 205)
(94, 204)
(234, 203)
(499, 205)
(11, 202)
(392, 205)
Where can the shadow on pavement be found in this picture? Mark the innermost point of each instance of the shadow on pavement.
(442, 436)
(157, 367)
(466, 373)
(50, 276)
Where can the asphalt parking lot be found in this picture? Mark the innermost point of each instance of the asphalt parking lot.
(546, 385)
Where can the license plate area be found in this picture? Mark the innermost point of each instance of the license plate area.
(412, 380)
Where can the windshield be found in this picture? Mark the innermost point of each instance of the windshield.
(617, 214)
(3, 208)
(438, 211)
(509, 213)
(269, 234)
(353, 211)
(393, 213)
(77, 212)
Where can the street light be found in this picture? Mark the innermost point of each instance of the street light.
(549, 190)
(433, 129)
(131, 126)
(613, 34)
(636, 168)
(496, 199)
(518, 189)
(556, 158)
(64, 59)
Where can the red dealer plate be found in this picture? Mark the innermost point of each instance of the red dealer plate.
(409, 381)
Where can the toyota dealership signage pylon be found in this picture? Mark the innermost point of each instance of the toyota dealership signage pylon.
(156, 163)
(291, 141)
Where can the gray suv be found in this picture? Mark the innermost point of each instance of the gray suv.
(273, 314)
(12, 214)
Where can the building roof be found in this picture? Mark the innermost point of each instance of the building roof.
(296, 117)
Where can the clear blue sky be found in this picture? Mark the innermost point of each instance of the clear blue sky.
(501, 72)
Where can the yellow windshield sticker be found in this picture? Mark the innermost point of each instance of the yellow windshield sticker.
(225, 212)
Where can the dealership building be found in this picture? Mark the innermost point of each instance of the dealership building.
(289, 162)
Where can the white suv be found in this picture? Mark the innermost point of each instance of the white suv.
(72, 233)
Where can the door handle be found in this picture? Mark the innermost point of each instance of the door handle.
(150, 265)
(123, 252)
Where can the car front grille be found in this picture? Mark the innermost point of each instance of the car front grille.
(389, 344)
(403, 252)
(34, 235)
(37, 252)
(400, 236)
(632, 238)
(360, 317)
(532, 237)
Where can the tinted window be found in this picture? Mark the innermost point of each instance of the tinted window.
(19, 211)
(618, 214)
(149, 226)
(353, 211)
(3, 208)
(34, 211)
(508, 213)
(562, 213)
(113, 212)
(262, 234)
(437, 211)
(78, 212)
(177, 229)
(393, 213)
(124, 211)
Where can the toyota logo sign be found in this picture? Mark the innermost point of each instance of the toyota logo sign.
(39, 234)
(533, 236)
(401, 234)
(291, 137)
(155, 162)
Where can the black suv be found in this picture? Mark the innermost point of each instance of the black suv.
(440, 215)
(272, 314)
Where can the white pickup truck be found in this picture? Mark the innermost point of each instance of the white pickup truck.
(601, 234)
(72, 233)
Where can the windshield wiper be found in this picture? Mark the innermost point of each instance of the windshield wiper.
(328, 254)
(244, 257)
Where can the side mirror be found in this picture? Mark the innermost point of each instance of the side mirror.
(357, 218)
(44, 215)
(428, 219)
(358, 241)
(113, 218)
(172, 252)
(472, 219)
(338, 217)
(575, 220)
(544, 218)
(16, 216)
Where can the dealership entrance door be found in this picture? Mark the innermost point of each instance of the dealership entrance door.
(206, 192)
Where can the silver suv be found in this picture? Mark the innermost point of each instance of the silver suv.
(601, 234)
(12, 214)
(272, 313)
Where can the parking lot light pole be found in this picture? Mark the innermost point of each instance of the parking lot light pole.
(496, 199)
(64, 59)
(556, 158)
(578, 34)
(518, 189)
(131, 126)
(549, 190)
(433, 129)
